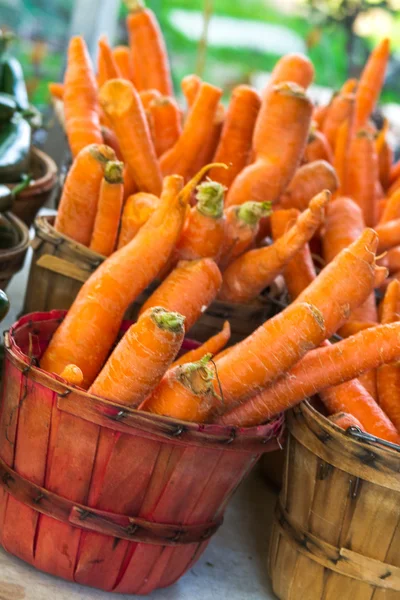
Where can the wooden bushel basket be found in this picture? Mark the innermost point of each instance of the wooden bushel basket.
(165, 483)
(12, 259)
(60, 266)
(336, 531)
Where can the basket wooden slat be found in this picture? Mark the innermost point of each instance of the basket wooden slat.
(12, 259)
(336, 532)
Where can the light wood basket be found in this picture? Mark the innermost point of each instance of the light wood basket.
(336, 531)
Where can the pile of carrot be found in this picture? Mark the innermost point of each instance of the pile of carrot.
(215, 202)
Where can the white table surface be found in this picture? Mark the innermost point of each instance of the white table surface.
(232, 568)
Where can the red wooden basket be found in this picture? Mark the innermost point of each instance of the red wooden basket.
(165, 487)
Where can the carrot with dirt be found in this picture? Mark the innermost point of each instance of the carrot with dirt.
(309, 180)
(339, 111)
(91, 326)
(123, 107)
(80, 195)
(324, 368)
(72, 374)
(137, 211)
(241, 229)
(248, 275)
(391, 210)
(300, 271)
(122, 57)
(362, 172)
(345, 420)
(186, 392)
(292, 67)
(317, 148)
(204, 230)
(107, 68)
(195, 134)
(188, 289)
(234, 148)
(105, 231)
(371, 82)
(166, 124)
(212, 346)
(279, 140)
(141, 358)
(81, 107)
(56, 90)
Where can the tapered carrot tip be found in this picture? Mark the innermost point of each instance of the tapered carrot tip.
(72, 374)
(319, 201)
(210, 199)
(117, 96)
(168, 320)
(197, 376)
(368, 241)
(114, 171)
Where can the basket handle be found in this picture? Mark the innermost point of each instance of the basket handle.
(63, 267)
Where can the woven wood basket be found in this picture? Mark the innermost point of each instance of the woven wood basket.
(12, 259)
(165, 483)
(60, 266)
(336, 531)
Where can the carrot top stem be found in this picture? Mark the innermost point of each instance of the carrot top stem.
(196, 376)
(192, 183)
(114, 171)
(210, 199)
(135, 5)
(101, 152)
(251, 212)
(171, 321)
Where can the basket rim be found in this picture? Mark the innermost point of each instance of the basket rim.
(234, 438)
(23, 245)
(44, 182)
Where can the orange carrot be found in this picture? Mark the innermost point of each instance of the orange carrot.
(186, 392)
(392, 259)
(389, 234)
(319, 114)
(392, 208)
(141, 358)
(341, 157)
(122, 105)
(385, 156)
(279, 140)
(190, 87)
(211, 140)
(130, 186)
(213, 345)
(72, 374)
(344, 223)
(106, 65)
(80, 98)
(292, 67)
(249, 274)
(106, 225)
(204, 231)
(309, 180)
(300, 271)
(371, 82)
(395, 172)
(317, 148)
(137, 211)
(165, 123)
(362, 172)
(180, 158)
(234, 148)
(149, 55)
(123, 61)
(352, 327)
(241, 228)
(345, 420)
(56, 90)
(188, 289)
(148, 96)
(349, 86)
(339, 111)
(88, 331)
(78, 204)
(110, 139)
(323, 368)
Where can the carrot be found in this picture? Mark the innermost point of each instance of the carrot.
(166, 123)
(88, 331)
(106, 64)
(72, 374)
(345, 420)
(395, 172)
(203, 234)
(392, 208)
(190, 86)
(344, 223)
(362, 172)
(234, 148)
(341, 156)
(389, 234)
(323, 368)
(130, 186)
(122, 105)
(292, 67)
(56, 90)
(371, 82)
(385, 156)
(300, 271)
(148, 96)
(149, 55)
(317, 148)
(123, 61)
(309, 180)
(106, 225)
(141, 358)
(349, 86)
(352, 327)
(392, 259)
(249, 274)
(186, 392)
(180, 158)
(211, 140)
(78, 204)
(319, 115)
(241, 229)
(339, 111)
(80, 99)
(279, 140)
(213, 345)
(188, 289)
(137, 211)
(110, 139)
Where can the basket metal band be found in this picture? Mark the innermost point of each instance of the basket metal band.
(133, 529)
(341, 560)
